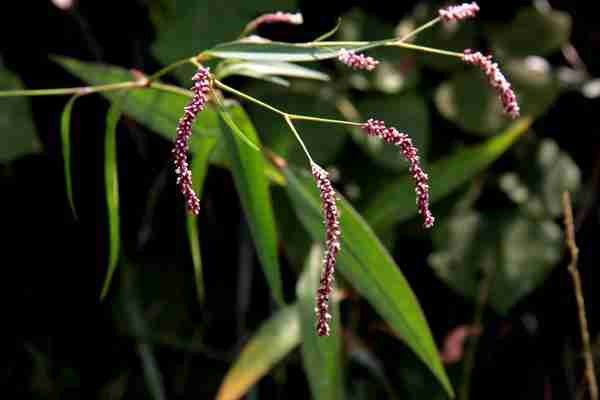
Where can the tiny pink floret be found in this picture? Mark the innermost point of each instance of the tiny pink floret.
(391, 135)
(459, 12)
(184, 132)
(496, 79)
(332, 247)
(357, 61)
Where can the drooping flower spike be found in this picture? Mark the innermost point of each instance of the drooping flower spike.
(277, 17)
(184, 130)
(391, 135)
(332, 247)
(459, 12)
(496, 79)
(357, 61)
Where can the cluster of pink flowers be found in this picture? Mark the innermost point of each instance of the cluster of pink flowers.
(391, 135)
(357, 61)
(496, 79)
(332, 244)
(459, 12)
(277, 17)
(184, 130)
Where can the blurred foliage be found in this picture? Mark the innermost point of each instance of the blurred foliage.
(496, 188)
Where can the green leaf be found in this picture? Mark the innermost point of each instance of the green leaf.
(265, 69)
(321, 355)
(157, 110)
(367, 265)
(199, 168)
(396, 202)
(514, 251)
(65, 137)
(111, 181)
(253, 188)
(279, 51)
(199, 25)
(274, 340)
(18, 136)
(535, 30)
(414, 120)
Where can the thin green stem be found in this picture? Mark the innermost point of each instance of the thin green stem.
(73, 90)
(419, 30)
(243, 95)
(427, 49)
(293, 128)
(318, 119)
(169, 68)
(172, 89)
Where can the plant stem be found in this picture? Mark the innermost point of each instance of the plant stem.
(572, 268)
(243, 95)
(293, 128)
(318, 119)
(74, 90)
(427, 49)
(419, 30)
(172, 89)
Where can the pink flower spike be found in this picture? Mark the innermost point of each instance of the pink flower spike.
(184, 132)
(357, 61)
(460, 12)
(277, 17)
(332, 244)
(496, 79)
(378, 129)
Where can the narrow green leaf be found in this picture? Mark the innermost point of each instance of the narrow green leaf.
(321, 355)
(199, 167)
(279, 51)
(273, 341)
(111, 181)
(247, 166)
(368, 266)
(65, 136)
(396, 202)
(263, 68)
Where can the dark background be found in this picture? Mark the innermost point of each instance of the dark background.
(61, 343)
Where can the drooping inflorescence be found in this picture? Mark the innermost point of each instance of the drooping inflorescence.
(391, 135)
(496, 79)
(332, 247)
(184, 130)
(459, 12)
(276, 17)
(357, 61)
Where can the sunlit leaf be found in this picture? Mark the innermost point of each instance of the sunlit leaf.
(321, 355)
(510, 252)
(262, 69)
(271, 343)
(535, 30)
(17, 133)
(370, 269)
(253, 188)
(396, 202)
(199, 167)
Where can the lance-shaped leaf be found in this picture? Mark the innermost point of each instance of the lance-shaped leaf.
(111, 186)
(273, 341)
(321, 355)
(267, 69)
(65, 137)
(367, 265)
(396, 202)
(199, 167)
(247, 166)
